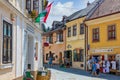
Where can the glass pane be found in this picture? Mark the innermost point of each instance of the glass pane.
(28, 5)
(9, 44)
(5, 40)
(5, 29)
(9, 55)
(35, 4)
(4, 51)
(9, 30)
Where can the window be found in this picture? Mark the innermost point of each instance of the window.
(82, 28)
(95, 34)
(69, 32)
(60, 37)
(36, 5)
(49, 39)
(111, 32)
(81, 55)
(7, 43)
(28, 5)
(74, 30)
(78, 55)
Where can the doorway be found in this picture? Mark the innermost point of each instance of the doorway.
(68, 58)
(60, 58)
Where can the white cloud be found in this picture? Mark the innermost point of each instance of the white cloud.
(59, 10)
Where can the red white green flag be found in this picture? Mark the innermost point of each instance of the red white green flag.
(42, 17)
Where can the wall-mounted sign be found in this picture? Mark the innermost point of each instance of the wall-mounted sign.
(102, 50)
(46, 44)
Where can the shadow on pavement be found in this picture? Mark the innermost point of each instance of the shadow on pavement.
(83, 72)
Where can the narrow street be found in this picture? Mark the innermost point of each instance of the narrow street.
(58, 73)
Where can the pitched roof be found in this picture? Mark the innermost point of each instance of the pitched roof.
(106, 8)
(83, 12)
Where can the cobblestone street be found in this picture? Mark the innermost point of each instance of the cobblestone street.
(77, 74)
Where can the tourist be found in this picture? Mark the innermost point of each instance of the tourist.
(50, 61)
(89, 65)
(94, 67)
(98, 68)
(107, 66)
(113, 64)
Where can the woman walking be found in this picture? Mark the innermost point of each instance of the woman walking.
(94, 68)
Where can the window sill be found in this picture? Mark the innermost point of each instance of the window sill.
(94, 41)
(112, 39)
(5, 66)
(59, 42)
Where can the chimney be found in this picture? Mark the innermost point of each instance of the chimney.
(64, 19)
(88, 3)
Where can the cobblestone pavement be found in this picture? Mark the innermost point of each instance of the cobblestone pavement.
(58, 73)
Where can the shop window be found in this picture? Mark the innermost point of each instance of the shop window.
(28, 5)
(7, 43)
(78, 55)
(81, 55)
(82, 28)
(74, 30)
(69, 32)
(95, 34)
(111, 32)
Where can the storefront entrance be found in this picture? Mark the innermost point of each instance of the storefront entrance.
(68, 58)
(60, 58)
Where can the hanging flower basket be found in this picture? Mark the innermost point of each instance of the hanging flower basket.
(33, 15)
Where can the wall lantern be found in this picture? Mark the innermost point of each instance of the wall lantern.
(69, 46)
(12, 17)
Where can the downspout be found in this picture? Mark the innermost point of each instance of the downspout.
(86, 44)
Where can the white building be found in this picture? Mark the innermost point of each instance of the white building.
(20, 38)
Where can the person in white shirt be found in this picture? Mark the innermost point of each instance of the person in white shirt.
(113, 65)
(103, 62)
(89, 65)
(107, 66)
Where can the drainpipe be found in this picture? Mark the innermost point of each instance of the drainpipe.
(86, 44)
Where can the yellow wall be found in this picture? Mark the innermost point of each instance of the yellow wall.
(102, 24)
(75, 41)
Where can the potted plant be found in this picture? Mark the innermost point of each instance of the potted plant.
(33, 15)
(43, 75)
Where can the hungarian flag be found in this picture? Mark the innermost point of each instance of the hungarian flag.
(43, 15)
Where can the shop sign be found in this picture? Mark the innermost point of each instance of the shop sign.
(102, 50)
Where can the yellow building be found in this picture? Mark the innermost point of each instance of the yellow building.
(75, 41)
(104, 33)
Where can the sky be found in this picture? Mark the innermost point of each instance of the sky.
(64, 7)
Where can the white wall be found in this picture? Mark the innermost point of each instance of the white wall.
(19, 48)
